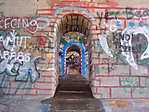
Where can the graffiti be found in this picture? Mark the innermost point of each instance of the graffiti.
(123, 44)
(129, 13)
(116, 37)
(12, 41)
(42, 22)
(142, 91)
(42, 42)
(84, 11)
(14, 61)
(20, 56)
(7, 66)
(83, 58)
(112, 25)
(119, 13)
(126, 41)
(72, 36)
(116, 23)
(100, 16)
(15, 23)
(30, 24)
(137, 13)
(129, 81)
(28, 71)
(46, 108)
(103, 69)
(134, 23)
(146, 82)
(97, 46)
(124, 37)
(104, 44)
(22, 69)
(24, 43)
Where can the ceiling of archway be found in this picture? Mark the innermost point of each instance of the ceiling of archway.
(74, 23)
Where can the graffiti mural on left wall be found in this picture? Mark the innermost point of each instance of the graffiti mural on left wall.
(23, 46)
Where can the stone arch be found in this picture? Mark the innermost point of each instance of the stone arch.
(73, 22)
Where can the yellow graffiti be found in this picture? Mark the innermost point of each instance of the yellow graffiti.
(146, 102)
(119, 103)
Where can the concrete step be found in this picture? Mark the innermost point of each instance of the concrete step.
(73, 77)
(73, 90)
(77, 105)
(74, 87)
(69, 83)
(73, 80)
(74, 95)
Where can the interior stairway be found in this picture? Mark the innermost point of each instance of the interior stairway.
(74, 95)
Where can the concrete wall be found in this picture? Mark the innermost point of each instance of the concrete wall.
(119, 59)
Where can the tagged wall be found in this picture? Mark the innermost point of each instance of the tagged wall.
(123, 38)
(26, 56)
(119, 48)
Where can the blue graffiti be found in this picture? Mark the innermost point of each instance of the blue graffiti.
(23, 71)
(9, 67)
(118, 23)
(84, 65)
(45, 108)
(28, 71)
(131, 24)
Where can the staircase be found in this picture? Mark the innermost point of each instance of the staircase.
(74, 95)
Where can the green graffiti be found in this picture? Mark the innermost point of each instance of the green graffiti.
(101, 69)
(129, 81)
(72, 37)
(146, 82)
(63, 41)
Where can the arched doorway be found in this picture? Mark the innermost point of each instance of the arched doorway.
(74, 49)
(73, 60)
(74, 34)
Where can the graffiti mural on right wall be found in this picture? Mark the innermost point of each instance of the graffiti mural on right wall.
(126, 35)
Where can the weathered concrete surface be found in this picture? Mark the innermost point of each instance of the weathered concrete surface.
(38, 105)
(126, 105)
(70, 98)
(21, 105)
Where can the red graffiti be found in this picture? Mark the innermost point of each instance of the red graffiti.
(42, 42)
